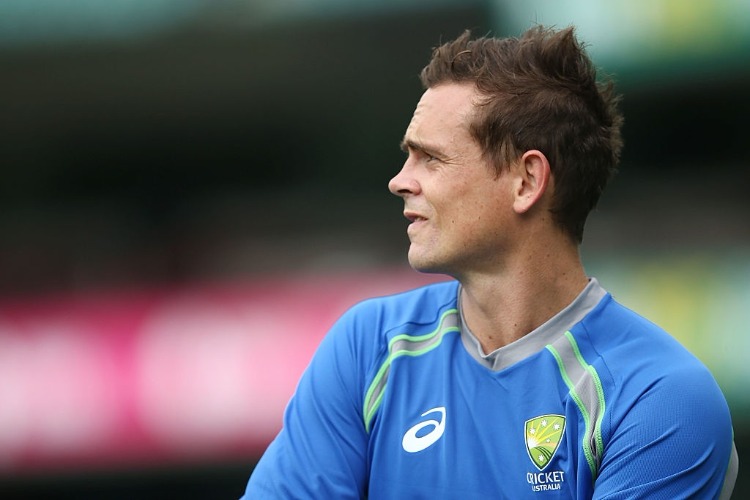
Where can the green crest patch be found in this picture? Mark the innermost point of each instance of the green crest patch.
(543, 435)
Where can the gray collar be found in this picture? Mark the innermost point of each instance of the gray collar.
(536, 340)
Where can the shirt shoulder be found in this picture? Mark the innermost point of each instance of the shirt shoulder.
(636, 354)
(654, 396)
(384, 317)
(623, 337)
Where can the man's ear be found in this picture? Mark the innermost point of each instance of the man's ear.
(532, 179)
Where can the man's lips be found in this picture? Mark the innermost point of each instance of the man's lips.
(416, 220)
(414, 216)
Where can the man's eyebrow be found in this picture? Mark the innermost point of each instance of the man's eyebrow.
(407, 144)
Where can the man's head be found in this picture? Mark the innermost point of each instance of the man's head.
(539, 92)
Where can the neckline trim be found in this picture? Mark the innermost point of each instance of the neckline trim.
(538, 338)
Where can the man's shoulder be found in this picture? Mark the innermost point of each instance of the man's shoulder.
(412, 306)
(632, 346)
(624, 326)
(368, 327)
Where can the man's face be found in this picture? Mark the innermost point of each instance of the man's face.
(459, 208)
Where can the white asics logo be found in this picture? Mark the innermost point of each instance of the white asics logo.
(413, 443)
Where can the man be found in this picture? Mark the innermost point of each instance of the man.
(522, 378)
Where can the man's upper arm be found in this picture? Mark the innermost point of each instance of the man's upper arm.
(674, 441)
(321, 451)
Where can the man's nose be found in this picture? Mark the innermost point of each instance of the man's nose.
(404, 183)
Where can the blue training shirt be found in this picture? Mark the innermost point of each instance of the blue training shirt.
(399, 401)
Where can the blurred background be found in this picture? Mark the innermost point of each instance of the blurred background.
(192, 191)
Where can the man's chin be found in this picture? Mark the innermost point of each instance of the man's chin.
(423, 265)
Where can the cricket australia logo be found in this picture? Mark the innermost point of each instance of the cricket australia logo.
(543, 436)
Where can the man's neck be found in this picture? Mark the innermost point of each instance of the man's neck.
(500, 308)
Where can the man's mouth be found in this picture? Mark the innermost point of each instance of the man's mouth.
(414, 217)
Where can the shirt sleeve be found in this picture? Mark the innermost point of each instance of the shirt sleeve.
(674, 441)
(322, 448)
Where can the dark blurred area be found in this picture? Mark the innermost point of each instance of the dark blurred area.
(166, 160)
(169, 158)
(240, 142)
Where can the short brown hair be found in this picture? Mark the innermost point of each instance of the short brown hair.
(540, 91)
